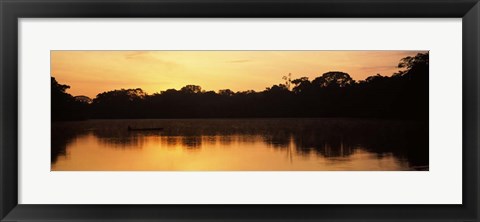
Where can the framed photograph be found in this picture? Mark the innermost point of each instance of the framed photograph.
(239, 110)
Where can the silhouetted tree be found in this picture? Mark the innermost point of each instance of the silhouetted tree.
(191, 89)
(123, 103)
(65, 106)
(302, 85)
(226, 92)
(333, 94)
(333, 79)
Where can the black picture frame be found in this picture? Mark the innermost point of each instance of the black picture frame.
(12, 10)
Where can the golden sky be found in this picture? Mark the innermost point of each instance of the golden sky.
(92, 72)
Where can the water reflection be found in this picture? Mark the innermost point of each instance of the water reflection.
(260, 144)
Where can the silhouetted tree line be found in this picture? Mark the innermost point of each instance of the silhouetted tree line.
(65, 106)
(334, 94)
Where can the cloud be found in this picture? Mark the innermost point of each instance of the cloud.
(373, 68)
(149, 58)
(383, 70)
(136, 55)
(239, 61)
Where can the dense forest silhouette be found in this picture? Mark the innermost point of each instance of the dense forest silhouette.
(403, 95)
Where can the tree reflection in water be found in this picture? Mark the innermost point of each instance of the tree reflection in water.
(334, 139)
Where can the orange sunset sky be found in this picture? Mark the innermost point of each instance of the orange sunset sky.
(92, 72)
